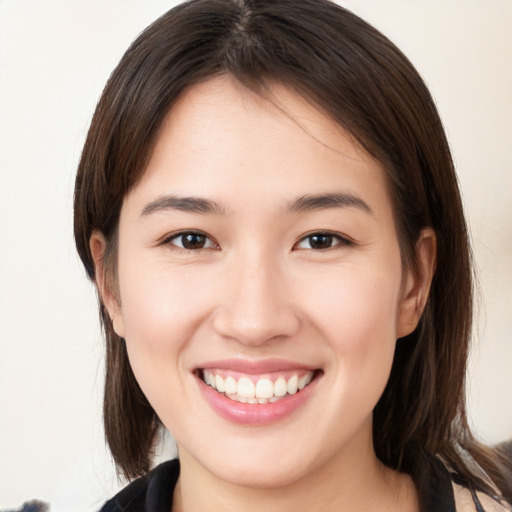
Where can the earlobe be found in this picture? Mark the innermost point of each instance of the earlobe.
(416, 284)
(105, 283)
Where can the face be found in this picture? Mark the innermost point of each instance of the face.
(260, 285)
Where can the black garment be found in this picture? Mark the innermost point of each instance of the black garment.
(154, 492)
(150, 493)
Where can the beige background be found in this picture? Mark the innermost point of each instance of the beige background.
(55, 57)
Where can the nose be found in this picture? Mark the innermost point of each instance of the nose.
(256, 304)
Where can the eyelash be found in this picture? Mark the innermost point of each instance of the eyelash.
(341, 241)
(173, 236)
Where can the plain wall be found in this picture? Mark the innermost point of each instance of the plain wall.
(55, 57)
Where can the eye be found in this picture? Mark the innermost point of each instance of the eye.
(191, 241)
(322, 241)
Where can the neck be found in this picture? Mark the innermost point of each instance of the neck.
(363, 485)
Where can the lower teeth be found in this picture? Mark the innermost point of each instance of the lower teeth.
(245, 400)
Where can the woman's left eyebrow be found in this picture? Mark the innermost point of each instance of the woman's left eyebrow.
(328, 200)
(183, 204)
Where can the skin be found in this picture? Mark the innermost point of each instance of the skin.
(258, 290)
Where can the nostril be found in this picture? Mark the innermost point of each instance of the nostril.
(257, 328)
(254, 306)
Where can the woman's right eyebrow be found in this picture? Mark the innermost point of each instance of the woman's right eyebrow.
(187, 204)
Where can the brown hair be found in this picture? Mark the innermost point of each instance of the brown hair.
(368, 86)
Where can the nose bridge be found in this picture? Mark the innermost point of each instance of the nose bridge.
(257, 305)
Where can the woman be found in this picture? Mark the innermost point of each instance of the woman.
(267, 204)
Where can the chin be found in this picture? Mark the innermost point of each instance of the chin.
(260, 474)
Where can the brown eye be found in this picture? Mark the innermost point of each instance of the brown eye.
(191, 241)
(319, 241)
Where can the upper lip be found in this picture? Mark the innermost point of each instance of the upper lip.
(255, 367)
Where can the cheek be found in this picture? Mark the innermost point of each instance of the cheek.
(357, 305)
(161, 311)
(357, 315)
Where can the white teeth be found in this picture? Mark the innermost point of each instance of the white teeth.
(210, 379)
(264, 388)
(292, 385)
(280, 387)
(245, 388)
(230, 385)
(263, 392)
(219, 384)
(305, 380)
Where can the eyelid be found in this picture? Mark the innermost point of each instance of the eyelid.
(167, 239)
(343, 240)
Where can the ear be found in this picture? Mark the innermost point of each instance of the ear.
(105, 282)
(416, 284)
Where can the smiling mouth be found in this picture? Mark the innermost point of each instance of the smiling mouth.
(251, 389)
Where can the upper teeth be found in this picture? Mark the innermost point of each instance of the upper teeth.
(262, 390)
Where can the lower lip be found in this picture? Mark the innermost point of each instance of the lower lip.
(256, 414)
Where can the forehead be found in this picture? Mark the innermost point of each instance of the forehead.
(221, 136)
(222, 104)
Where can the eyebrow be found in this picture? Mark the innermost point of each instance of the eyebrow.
(330, 200)
(183, 204)
(301, 204)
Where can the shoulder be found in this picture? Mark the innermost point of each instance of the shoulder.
(442, 490)
(151, 493)
(466, 501)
